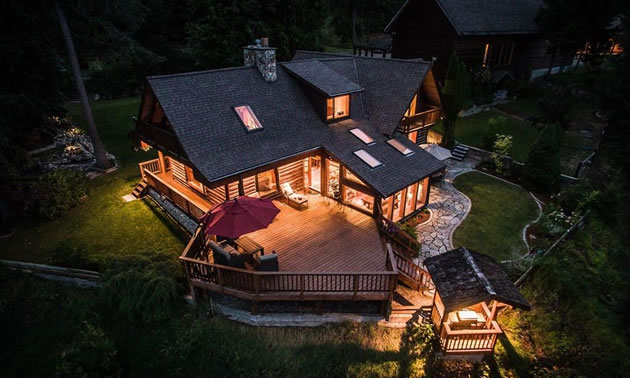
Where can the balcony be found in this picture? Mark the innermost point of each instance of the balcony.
(421, 120)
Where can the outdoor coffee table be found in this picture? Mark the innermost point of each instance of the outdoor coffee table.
(249, 246)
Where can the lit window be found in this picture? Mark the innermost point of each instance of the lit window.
(248, 118)
(368, 158)
(400, 147)
(362, 135)
(338, 107)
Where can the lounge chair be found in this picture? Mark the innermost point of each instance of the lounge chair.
(267, 263)
(292, 196)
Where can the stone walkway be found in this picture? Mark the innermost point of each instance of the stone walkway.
(448, 208)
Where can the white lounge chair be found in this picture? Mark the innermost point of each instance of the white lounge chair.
(292, 196)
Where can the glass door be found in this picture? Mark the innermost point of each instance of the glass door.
(332, 180)
(315, 172)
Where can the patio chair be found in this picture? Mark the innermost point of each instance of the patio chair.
(292, 196)
(227, 255)
(268, 263)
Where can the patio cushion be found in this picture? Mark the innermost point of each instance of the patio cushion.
(287, 190)
(220, 255)
(237, 260)
(268, 263)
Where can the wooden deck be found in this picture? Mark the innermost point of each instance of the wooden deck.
(325, 237)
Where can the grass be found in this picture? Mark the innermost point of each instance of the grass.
(472, 129)
(498, 215)
(523, 106)
(103, 225)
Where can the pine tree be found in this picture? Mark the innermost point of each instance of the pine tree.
(456, 91)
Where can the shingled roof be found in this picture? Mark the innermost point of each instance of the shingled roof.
(463, 278)
(199, 107)
(486, 17)
(388, 84)
(322, 78)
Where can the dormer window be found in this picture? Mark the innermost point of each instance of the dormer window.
(337, 107)
(247, 117)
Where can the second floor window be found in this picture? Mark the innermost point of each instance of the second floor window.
(338, 107)
(498, 54)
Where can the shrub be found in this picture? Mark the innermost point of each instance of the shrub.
(578, 198)
(500, 149)
(411, 230)
(58, 191)
(143, 286)
(73, 256)
(542, 169)
(490, 135)
(92, 355)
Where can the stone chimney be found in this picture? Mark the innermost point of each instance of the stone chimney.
(263, 56)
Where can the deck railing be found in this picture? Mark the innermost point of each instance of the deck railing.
(401, 240)
(285, 286)
(412, 274)
(420, 120)
(178, 198)
(152, 166)
(469, 341)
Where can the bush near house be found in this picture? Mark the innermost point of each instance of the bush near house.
(58, 191)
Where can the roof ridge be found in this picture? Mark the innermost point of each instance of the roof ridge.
(191, 73)
(341, 55)
(482, 277)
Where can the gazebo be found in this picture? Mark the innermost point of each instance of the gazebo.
(470, 288)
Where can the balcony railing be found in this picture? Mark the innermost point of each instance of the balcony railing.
(420, 120)
(152, 166)
(469, 340)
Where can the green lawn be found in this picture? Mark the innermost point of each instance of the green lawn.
(103, 225)
(523, 106)
(472, 129)
(498, 215)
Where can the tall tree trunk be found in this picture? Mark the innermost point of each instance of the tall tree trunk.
(553, 55)
(99, 149)
(355, 40)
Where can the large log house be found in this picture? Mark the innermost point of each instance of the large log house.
(342, 130)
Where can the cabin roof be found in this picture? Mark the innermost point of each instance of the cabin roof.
(463, 278)
(389, 84)
(486, 17)
(324, 79)
(199, 107)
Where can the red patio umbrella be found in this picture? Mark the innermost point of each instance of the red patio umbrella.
(239, 216)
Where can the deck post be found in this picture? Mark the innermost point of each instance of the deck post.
(220, 275)
(355, 286)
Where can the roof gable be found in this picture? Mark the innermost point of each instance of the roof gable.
(486, 17)
(464, 277)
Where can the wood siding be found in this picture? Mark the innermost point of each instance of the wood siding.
(293, 173)
(179, 172)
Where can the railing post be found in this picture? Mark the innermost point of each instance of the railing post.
(220, 275)
(302, 287)
(355, 284)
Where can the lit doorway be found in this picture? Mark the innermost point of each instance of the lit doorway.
(315, 172)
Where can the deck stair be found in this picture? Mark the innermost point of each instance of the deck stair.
(140, 189)
(410, 305)
(459, 152)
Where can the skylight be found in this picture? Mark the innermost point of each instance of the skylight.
(368, 158)
(362, 135)
(247, 117)
(400, 147)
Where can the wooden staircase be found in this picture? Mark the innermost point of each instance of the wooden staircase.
(140, 189)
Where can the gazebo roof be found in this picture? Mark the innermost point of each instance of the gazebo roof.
(463, 277)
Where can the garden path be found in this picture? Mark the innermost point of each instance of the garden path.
(448, 208)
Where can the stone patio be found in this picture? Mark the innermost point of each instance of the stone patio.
(448, 208)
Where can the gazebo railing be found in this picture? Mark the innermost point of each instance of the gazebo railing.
(469, 340)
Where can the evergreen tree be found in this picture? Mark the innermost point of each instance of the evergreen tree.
(456, 92)
(542, 169)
